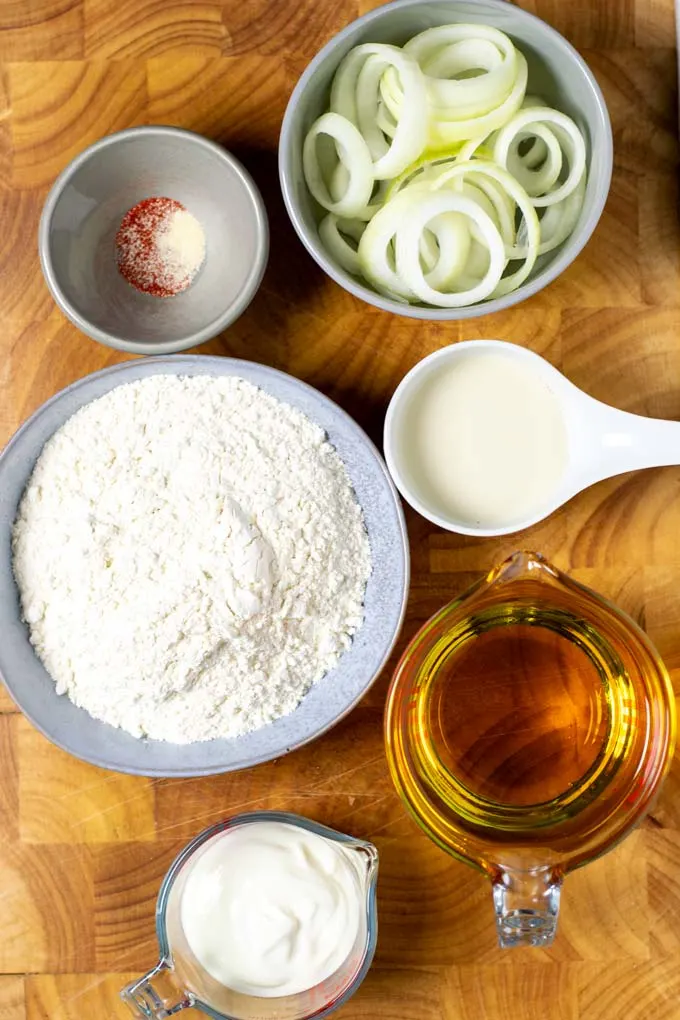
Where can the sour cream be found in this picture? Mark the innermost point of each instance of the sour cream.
(483, 440)
(270, 909)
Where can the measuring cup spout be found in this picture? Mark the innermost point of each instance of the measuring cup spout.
(156, 996)
(527, 904)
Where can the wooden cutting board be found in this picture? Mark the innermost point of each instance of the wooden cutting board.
(82, 851)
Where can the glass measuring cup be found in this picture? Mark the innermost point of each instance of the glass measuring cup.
(178, 981)
(528, 726)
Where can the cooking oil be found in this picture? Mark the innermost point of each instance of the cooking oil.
(530, 722)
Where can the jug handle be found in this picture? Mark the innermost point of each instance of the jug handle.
(156, 995)
(527, 905)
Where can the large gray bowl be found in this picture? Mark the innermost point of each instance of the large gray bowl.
(556, 72)
(327, 702)
(83, 211)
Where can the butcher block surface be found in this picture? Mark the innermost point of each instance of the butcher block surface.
(83, 851)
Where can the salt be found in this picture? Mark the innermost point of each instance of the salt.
(160, 247)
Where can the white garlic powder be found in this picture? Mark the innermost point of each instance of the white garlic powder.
(190, 557)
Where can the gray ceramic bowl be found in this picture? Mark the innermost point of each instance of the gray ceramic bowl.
(556, 72)
(327, 702)
(83, 212)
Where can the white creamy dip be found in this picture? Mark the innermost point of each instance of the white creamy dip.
(270, 909)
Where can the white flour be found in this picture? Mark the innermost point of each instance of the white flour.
(190, 557)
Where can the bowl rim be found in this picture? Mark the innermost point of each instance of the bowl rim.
(526, 290)
(183, 364)
(237, 307)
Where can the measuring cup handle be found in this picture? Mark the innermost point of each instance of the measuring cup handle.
(621, 441)
(156, 995)
(527, 904)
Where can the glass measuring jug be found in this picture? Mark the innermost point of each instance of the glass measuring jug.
(179, 981)
(528, 726)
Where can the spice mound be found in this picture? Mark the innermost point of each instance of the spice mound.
(190, 557)
(160, 247)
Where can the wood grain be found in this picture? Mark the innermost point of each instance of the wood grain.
(82, 851)
(74, 996)
(216, 95)
(12, 998)
(41, 30)
(125, 881)
(48, 908)
(58, 107)
(145, 28)
(601, 25)
(480, 991)
(64, 800)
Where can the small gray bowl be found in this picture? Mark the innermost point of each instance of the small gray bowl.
(556, 72)
(84, 209)
(327, 702)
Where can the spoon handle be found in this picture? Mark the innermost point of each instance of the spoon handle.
(628, 442)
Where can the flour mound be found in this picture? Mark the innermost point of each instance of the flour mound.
(190, 557)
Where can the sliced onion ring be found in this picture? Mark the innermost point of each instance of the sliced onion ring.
(544, 175)
(409, 230)
(353, 153)
(568, 135)
(450, 49)
(410, 133)
(344, 87)
(444, 132)
(368, 106)
(375, 244)
(331, 231)
(339, 180)
(558, 221)
(479, 168)
(453, 239)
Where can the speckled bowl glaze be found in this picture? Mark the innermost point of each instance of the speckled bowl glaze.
(71, 728)
(83, 211)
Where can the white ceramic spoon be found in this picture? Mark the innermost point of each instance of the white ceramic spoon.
(602, 440)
